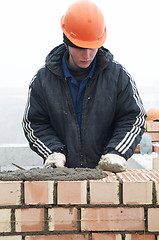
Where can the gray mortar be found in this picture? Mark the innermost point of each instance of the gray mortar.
(57, 174)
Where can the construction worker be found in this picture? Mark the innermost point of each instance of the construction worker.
(83, 108)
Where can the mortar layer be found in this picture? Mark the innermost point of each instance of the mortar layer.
(56, 174)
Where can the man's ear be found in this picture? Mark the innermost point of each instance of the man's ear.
(65, 45)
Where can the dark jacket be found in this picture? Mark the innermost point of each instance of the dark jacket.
(113, 116)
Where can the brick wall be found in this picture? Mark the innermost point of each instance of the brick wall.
(124, 206)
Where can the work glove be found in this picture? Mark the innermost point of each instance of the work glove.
(112, 162)
(55, 160)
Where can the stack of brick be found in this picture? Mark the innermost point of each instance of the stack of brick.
(123, 206)
(152, 129)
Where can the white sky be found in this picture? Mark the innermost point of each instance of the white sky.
(29, 29)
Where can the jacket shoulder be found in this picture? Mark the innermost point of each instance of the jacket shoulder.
(40, 76)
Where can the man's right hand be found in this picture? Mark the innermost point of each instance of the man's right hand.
(55, 160)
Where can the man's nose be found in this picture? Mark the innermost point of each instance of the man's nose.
(86, 53)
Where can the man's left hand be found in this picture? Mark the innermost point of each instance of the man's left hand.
(112, 162)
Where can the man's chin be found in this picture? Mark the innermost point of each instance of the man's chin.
(84, 64)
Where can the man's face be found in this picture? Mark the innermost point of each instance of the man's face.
(81, 57)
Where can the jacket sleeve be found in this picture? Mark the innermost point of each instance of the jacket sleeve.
(129, 120)
(40, 134)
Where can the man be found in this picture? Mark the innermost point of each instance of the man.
(83, 108)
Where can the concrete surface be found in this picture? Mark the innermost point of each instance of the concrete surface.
(19, 154)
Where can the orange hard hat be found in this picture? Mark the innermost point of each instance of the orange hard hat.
(152, 114)
(84, 25)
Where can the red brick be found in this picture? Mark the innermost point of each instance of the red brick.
(9, 237)
(154, 136)
(139, 237)
(137, 192)
(154, 176)
(139, 175)
(137, 187)
(104, 191)
(59, 237)
(137, 150)
(155, 163)
(5, 218)
(153, 220)
(11, 193)
(112, 219)
(152, 126)
(72, 192)
(39, 192)
(157, 191)
(62, 219)
(156, 147)
(28, 220)
(106, 236)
